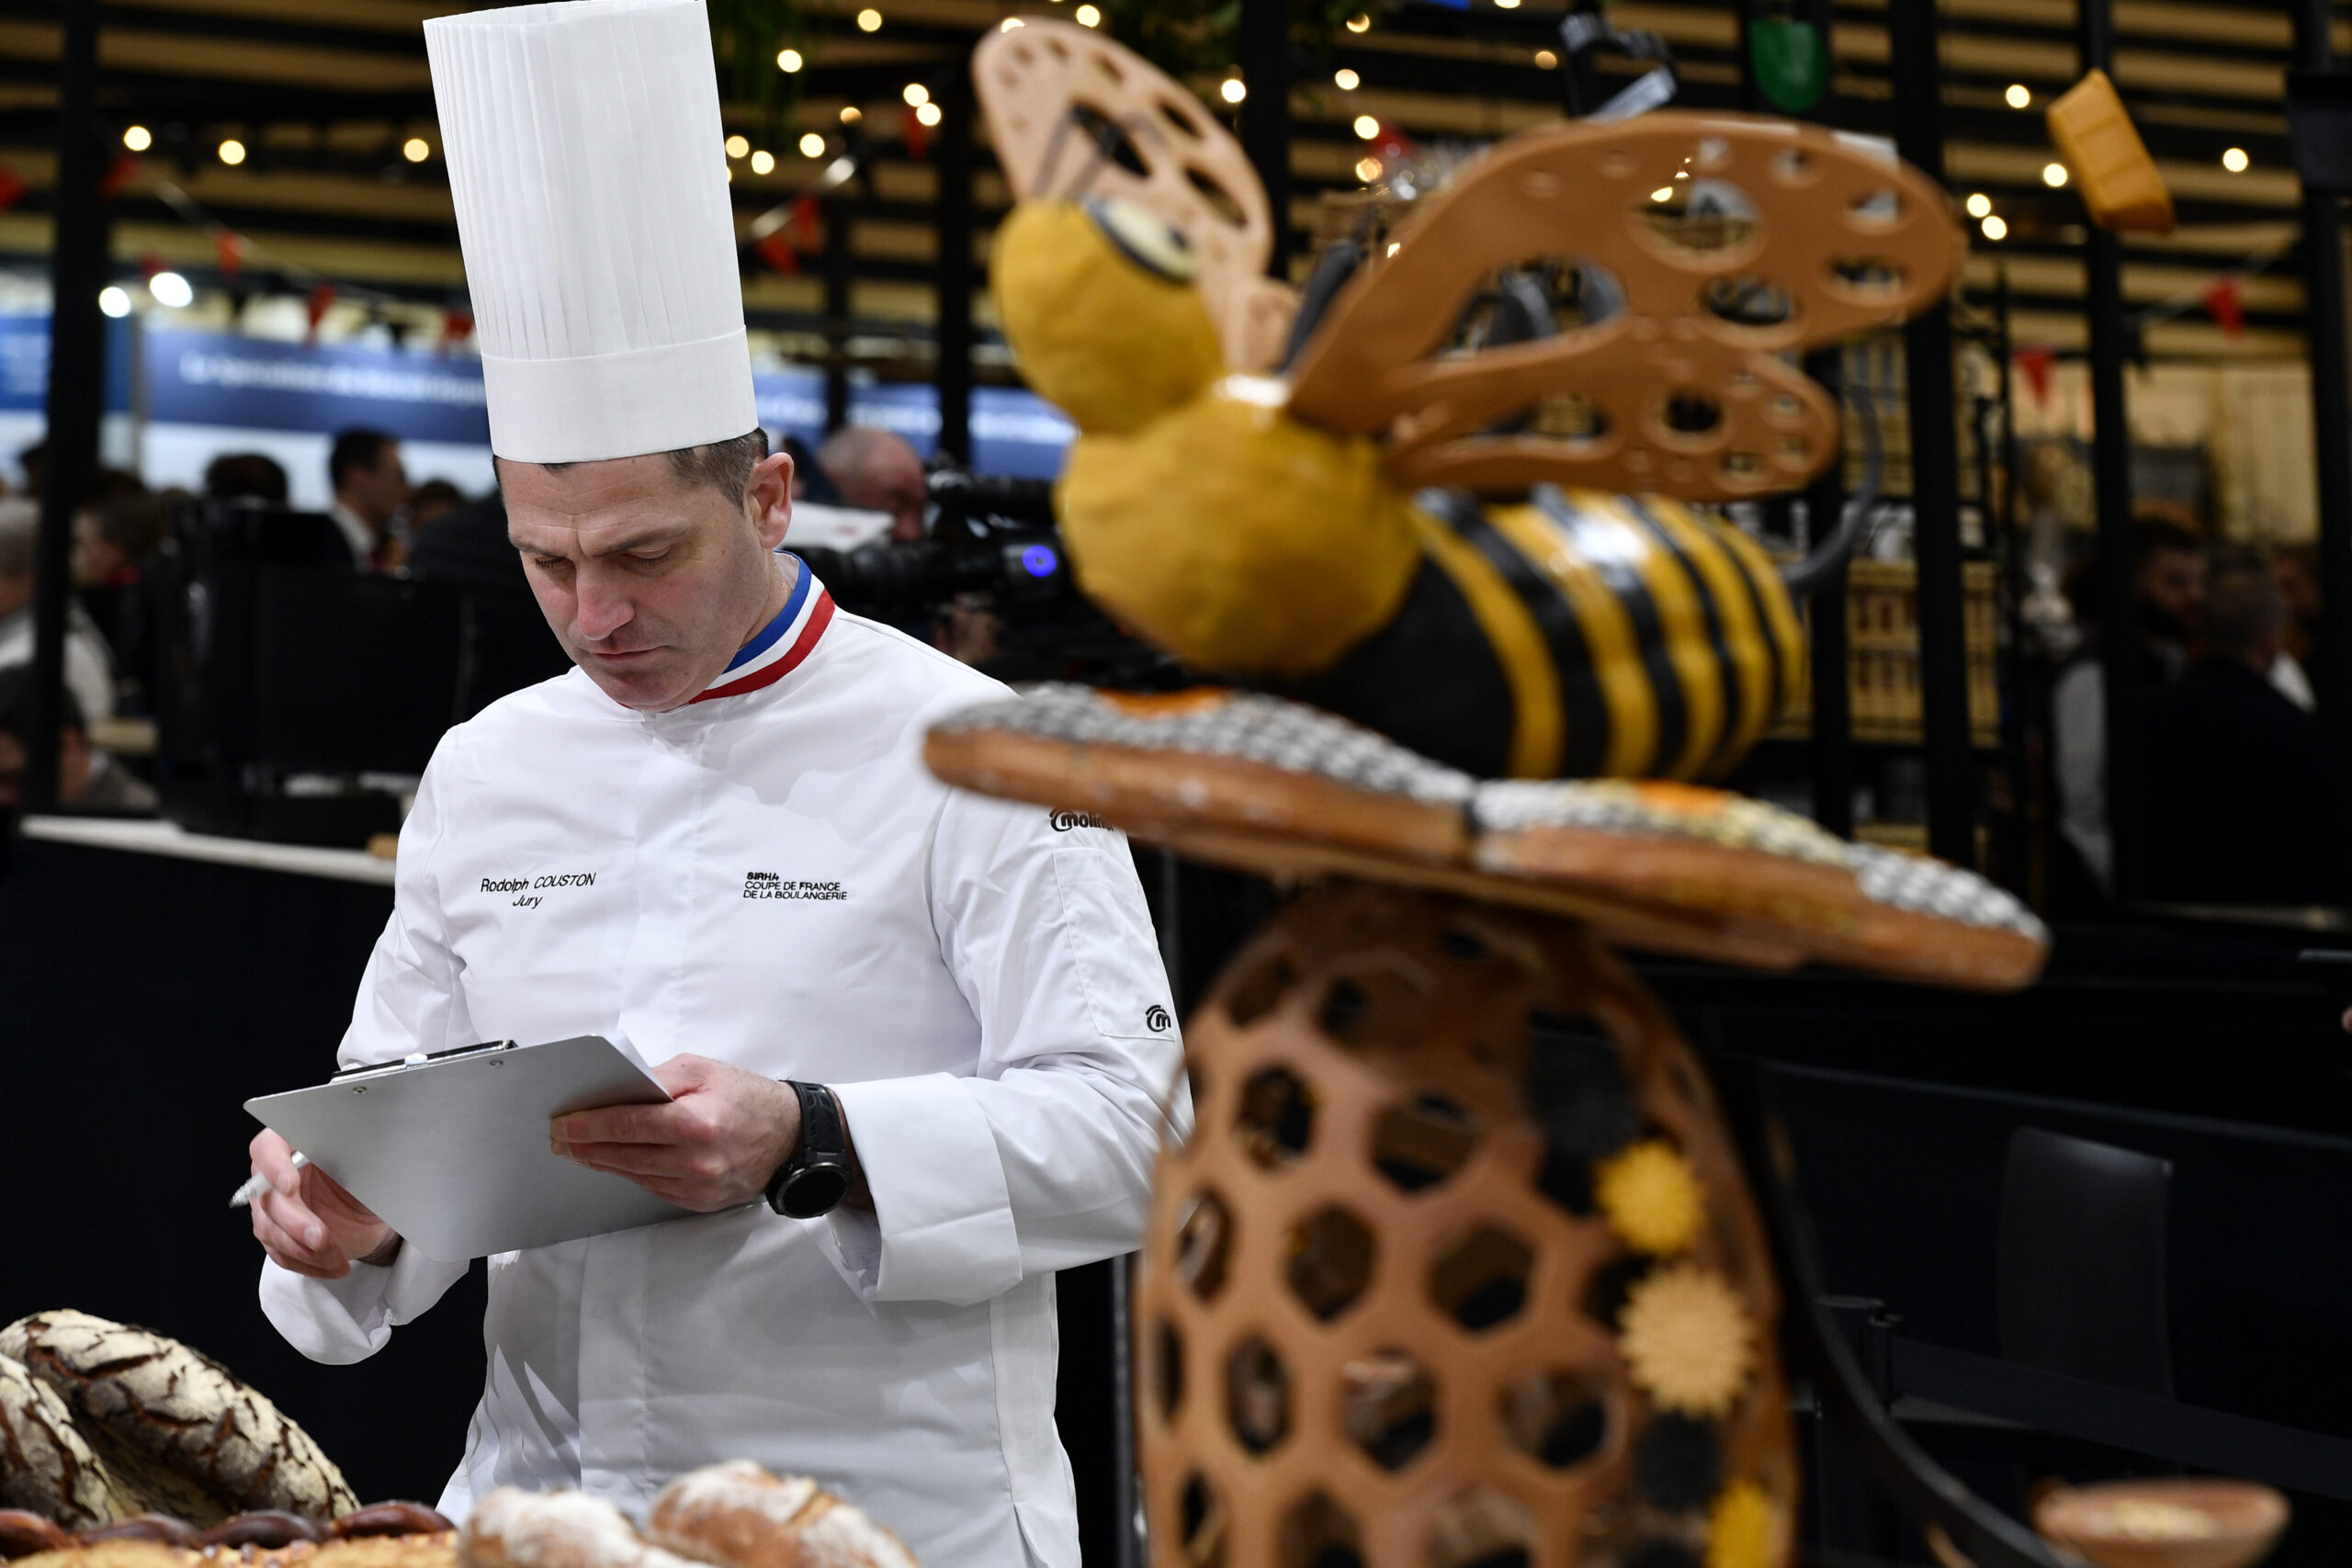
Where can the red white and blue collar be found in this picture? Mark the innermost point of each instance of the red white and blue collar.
(781, 646)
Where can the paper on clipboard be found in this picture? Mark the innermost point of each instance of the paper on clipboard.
(451, 1150)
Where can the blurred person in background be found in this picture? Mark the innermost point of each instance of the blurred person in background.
(2168, 602)
(89, 662)
(879, 471)
(371, 489)
(433, 500)
(2243, 803)
(245, 476)
(88, 779)
(114, 542)
(2297, 568)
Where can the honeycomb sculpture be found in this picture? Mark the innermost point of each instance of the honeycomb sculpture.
(1457, 1270)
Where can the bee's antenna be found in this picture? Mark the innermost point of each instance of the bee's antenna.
(1829, 558)
(1333, 269)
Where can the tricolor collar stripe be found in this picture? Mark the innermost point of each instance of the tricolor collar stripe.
(793, 641)
(773, 631)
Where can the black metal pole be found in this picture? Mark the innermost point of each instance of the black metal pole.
(837, 261)
(1265, 113)
(76, 382)
(956, 266)
(2324, 321)
(1935, 469)
(2111, 474)
(1825, 505)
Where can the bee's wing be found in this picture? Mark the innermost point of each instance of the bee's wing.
(1837, 237)
(1050, 89)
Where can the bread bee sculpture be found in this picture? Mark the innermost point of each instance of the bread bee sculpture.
(1458, 1266)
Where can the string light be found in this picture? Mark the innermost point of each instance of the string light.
(1232, 90)
(1506, 5)
(1367, 169)
(138, 138)
(1366, 128)
(763, 161)
(1663, 193)
(1360, 23)
(416, 149)
(927, 114)
(232, 151)
(1395, 246)
(852, 113)
(114, 302)
(1087, 17)
(1979, 205)
(1010, 23)
(2054, 174)
(737, 146)
(789, 60)
(2018, 96)
(171, 289)
(869, 20)
(2236, 160)
(1545, 60)
(1346, 80)
(916, 94)
(812, 145)
(1995, 229)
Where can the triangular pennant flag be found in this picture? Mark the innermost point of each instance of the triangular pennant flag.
(12, 187)
(229, 251)
(2035, 361)
(2225, 302)
(118, 176)
(917, 134)
(776, 251)
(321, 298)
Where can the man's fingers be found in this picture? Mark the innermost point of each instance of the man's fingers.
(617, 1125)
(273, 1157)
(634, 1160)
(293, 1217)
(290, 1252)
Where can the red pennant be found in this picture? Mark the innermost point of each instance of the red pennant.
(321, 298)
(2035, 361)
(12, 187)
(228, 252)
(2225, 302)
(918, 135)
(807, 223)
(457, 326)
(777, 252)
(118, 176)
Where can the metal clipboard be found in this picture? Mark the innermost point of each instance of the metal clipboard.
(451, 1149)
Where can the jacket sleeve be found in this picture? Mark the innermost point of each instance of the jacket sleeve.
(1042, 1160)
(409, 1000)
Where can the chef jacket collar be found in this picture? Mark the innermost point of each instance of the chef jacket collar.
(782, 645)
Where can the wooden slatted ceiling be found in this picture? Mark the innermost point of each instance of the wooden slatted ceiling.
(324, 91)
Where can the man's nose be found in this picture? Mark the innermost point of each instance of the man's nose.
(603, 608)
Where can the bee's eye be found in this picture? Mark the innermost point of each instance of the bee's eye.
(1151, 244)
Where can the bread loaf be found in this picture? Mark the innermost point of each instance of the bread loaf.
(512, 1528)
(738, 1515)
(176, 1426)
(115, 1554)
(22, 1533)
(46, 1466)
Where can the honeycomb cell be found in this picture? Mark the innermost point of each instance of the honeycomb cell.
(1678, 1463)
(1481, 1529)
(1204, 1244)
(1605, 1291)
(1318, 1533)
(1257, 1395)
(1344, 1006)
(1258, 990)
(1479, 1279)
(1200, 1524)
(1330, 1261)
(1168, 1370)
(1388, 1402)
(1421, 1141)
(1276, 1118)
(1557, 1418)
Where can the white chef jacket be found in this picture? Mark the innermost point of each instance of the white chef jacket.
(771, 878)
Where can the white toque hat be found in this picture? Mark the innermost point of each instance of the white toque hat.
(587, 163)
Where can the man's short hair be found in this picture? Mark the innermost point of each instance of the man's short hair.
(237, 476)
(725, 466)
(356, 450)
(131, 523)
(856, 451)
(19, 535)
(16, 704)
(2153, 535)
(2244, 610)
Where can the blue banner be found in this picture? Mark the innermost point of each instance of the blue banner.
(24, 365)
(212, 378)
(1016, 434)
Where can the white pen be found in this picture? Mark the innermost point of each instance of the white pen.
(256, 1185)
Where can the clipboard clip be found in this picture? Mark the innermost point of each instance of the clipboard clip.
(420, 1058)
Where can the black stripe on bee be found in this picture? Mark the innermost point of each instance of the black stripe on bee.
(1726, 677)
(1625, 583)
(1780, 692)
(1584, 741)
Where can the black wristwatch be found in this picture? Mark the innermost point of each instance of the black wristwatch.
(816, 1178)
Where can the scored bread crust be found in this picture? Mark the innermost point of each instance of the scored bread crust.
(513, 1529)
(738, 1515)
(179, 1430)
(46, 1465)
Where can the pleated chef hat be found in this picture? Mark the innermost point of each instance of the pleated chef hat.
(586, 161)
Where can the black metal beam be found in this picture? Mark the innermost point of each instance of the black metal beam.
(1935, 471)
(77, 384)
(840, 267)
(1825, 507)
(955, 272)
(2324, 324)
(2111, 475)
(1265, 50)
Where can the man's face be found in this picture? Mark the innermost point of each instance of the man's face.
(891, 481)
(95, 559)
(376, 492)
(650, 583)
(2172, 583)
(15, 592)
(72, 769)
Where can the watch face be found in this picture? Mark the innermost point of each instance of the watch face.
(814, 1190)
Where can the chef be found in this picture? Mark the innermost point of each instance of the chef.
(918, 1039)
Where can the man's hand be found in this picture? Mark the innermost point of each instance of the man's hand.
(717, 1143)
(307, 1223)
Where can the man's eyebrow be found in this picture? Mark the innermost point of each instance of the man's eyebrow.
(634, 539)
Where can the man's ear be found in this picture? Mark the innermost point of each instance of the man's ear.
(769, 498)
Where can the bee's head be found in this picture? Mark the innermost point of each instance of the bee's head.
(1098, 303)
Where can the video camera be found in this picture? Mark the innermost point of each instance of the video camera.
(994, 549)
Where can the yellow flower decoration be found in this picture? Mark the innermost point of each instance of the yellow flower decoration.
(1687, 1341)
(1650, 1197)
(1739, 1527)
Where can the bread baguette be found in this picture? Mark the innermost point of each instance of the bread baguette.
(513, 1529)
(738, 1515)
